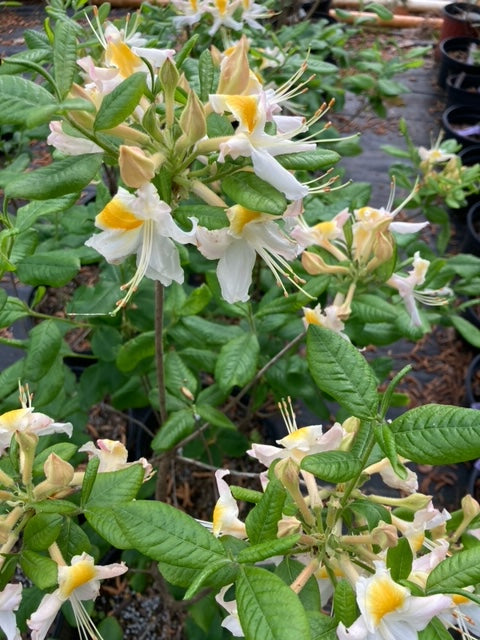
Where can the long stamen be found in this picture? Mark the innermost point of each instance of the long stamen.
(86, 627)
(288, 414)
(145, 253)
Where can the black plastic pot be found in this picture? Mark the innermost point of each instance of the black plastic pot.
(463, 89)
(450, 64)
(472, 234)
(470, 155)
(463, 124)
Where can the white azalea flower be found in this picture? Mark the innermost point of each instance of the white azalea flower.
(191, 10)
(424, 520)
(299, 442)
(390, 478)
(141, 224)
(225, 513)
(236, 247)
(329, 317)
(27, 420)
(251, 140)
(68, 144)
(323, 234)
(231, 621)
(124, 51)
(77, 583)
(388, 611)
(406, 286)
(10, 599)
(222, 12)
(113, 456)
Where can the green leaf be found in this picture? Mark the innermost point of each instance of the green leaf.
(435, 630)
(386, 442)
(268, 549)
(41, 570)
(438, 434)
(456, 572)
(43, 349)
(262, 600)
(322, 627)
(160, 532)
(55, 268)
(262, 520)
(178, 375)
(371, 512)
(309, 161)
(55, 506)
(139, 348)
(68, 175)
(289, 570)
(121, 102)
(341, 371)
(89, 479)
(64, 56)
(178, 426)
(214, 416)
(205, 332)
(332, 466)
(203, 576)
(467, 330)
(237, 361)
(399, 560)
(14, 64)
(110, 628)
(207, 216)
(12, 310)
(28, 214)
(196, 301)
(19, 98)
(116, 486)
(42, 530)
(206, 73)
(370, 308)
(380, 10)
(344, 603)
(253, 193)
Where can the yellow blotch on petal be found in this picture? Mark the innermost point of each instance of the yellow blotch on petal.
(384, 596)
(458, 599)
(240, 216)
(194, 5)
(78, 575)
(245, 109)
(121, 56)
(221, 6)
(326, 229)
(311, 317)
(117, 216)
(11, 419)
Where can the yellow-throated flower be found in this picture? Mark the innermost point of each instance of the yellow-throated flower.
(77, 583)
(388, 611)
(250, 140)
(235, 247)
(141, 224)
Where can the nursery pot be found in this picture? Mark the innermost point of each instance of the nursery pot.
(472, 234)
(463, 124)
(463, 89)
(460, 19)
(454, 58)
(470, 155)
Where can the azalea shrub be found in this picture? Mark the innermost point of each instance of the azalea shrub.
(221, 243)
(319, 553)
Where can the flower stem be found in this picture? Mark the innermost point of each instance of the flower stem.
(159, 354)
